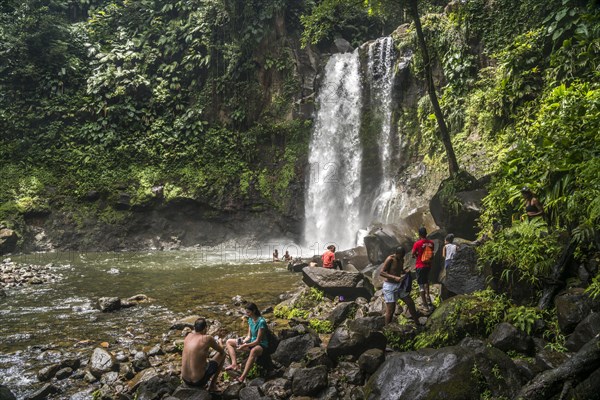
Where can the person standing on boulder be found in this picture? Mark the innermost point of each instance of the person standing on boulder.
(397, 285)
(329, 257)
(195, 370)
(423, 251)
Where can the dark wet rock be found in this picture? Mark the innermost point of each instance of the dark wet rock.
(140, 298)
(108, 304)
(184, 392)
(572, 306)
(331, 393)
(549, 359)
(250, 393)
(350, 372)
(340, 313)
(296, 265)
(8, 241)
(279, 388)
(348, 342)
(309, 381)
(333, 283)
(367, 324)
(506, 338)
(256, 382)
(463, 277)
(584, 332)
(73, 363)
(89, 377)
(47, 373)
(527, 369)
(102, 361)
(232, 391)
(126, 370)
(370, 360)
(452, 373)
(6, 394)
(64, 373)
(317, 356)
(380, 244)
(294, 349)
(43, 392)
(156, 387)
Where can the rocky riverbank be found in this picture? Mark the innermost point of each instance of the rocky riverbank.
(15, 275)
(332, 349)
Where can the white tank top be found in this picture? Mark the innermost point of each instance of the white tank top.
(450, 251)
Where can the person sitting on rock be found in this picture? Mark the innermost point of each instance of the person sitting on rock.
(276, 256)
(397, 285)
(255, 341)
(329, 257)
(287, 256)
(195, 370)
(533, 207)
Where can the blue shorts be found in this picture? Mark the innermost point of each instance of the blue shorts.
(392, 291)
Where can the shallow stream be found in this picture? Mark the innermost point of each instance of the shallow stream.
(63, 315)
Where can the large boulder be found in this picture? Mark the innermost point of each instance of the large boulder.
(380, 243)
(345, 341)
(156, 387)
(450, 373)
(333, 283)
(356, 257)
(293, 349)
(584, 332)
(506, 338)
(456, 206)
(341, 312)
(572, 306)
(8, 240)
(6, 394)
(309, 381)
(108, 304)
(463, 277)
(185, 392)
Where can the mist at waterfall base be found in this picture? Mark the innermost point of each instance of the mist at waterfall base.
(349, 186)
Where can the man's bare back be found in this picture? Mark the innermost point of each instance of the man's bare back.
(393, 265)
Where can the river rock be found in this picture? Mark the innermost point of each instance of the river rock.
(294, 349)
(232, 391)
(463, 277)
(101, 361)
(43, 392)
(350, 372)
(156, 387)
(333, 283)
(341, 45)
(452, 373)
(47, 373)
(64, 373)
(6, 394)
(584, 332)
(296, 265)
(506, 338)
(317, 356)
(357, 257)
(379, 244)
(140, 361)
(309, 381)
(108, 304)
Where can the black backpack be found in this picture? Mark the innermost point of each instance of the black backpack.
(273, 341)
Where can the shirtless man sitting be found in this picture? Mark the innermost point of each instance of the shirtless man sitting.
(195, 370)
(397, 285)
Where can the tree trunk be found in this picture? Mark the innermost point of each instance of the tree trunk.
(549, 383)
(445, 135)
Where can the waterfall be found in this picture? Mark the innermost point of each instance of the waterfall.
(335, 157)
(381, 80)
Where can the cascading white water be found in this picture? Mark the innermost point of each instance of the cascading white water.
(381, 79)
(335, 156)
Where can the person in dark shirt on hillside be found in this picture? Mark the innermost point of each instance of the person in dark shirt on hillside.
(533, 207)
(423, 251)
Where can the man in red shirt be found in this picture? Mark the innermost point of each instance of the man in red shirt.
(329, 256)
(423, 251)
